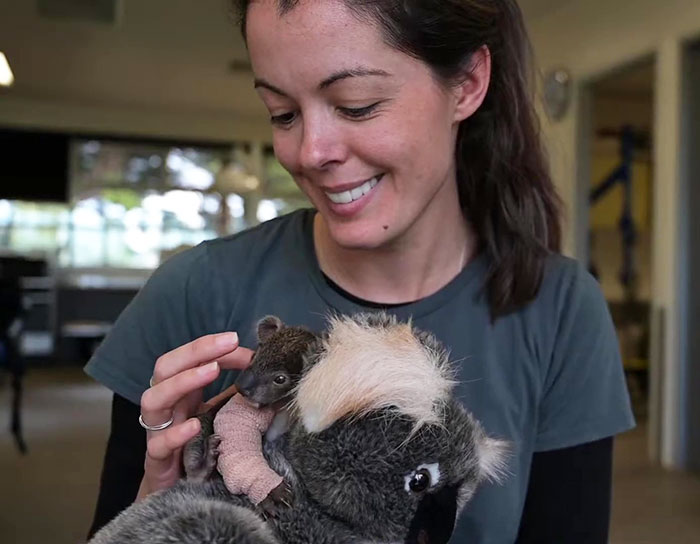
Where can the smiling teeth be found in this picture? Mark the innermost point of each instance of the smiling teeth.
(349, 196)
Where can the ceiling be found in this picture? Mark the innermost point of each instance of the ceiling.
(167, 55)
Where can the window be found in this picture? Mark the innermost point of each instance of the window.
(133, 204)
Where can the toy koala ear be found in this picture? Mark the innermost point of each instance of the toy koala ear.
(267, 326)
(492, 459)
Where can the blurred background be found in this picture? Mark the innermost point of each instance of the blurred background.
(129, 130)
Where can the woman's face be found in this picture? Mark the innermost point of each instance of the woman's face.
(366, 131)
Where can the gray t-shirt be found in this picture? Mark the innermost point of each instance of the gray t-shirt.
(548, 376)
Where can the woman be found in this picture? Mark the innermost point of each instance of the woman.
(410, 127)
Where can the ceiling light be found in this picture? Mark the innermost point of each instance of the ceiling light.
(6, 77)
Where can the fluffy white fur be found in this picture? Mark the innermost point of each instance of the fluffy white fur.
(493, 459)
(364, 367)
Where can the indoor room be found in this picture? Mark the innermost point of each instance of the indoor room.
(136, 136)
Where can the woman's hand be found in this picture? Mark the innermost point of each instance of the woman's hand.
(179, 377)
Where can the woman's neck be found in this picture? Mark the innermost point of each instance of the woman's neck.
(418, 265)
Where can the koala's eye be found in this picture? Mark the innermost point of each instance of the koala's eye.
(420, 481)
(424, 477)
(280, 379)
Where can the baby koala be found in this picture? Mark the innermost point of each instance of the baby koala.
(232, 432)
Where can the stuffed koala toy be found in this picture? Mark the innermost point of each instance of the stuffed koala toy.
(378, 451)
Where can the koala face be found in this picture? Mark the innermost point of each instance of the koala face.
(265, 387)
(277, 362)
(386, 484)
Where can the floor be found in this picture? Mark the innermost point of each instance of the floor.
(48, 495)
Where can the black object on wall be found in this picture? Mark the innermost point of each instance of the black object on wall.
(34, 165)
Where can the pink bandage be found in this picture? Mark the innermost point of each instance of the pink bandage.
(241, 462)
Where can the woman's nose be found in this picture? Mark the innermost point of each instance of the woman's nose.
(321, 145)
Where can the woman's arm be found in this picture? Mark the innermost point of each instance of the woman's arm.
(568, 496)
(122, 470)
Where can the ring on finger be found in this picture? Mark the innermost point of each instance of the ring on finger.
(150, 382)
(155, 427)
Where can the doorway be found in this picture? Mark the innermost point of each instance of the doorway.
(620, 214)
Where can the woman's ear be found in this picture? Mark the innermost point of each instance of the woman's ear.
(473, 85)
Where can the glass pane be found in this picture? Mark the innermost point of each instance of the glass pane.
(133, 204)
(193, 168)
(29, 227)
(99, 164)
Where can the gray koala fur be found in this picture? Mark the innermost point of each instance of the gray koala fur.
(361, 480)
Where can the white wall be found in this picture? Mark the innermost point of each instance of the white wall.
(592, 38)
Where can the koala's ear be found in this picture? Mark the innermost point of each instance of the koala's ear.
(267, 326)
(492, 459)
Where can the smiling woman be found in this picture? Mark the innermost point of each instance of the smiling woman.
(342, 125)
(410, 127)
(366, 110)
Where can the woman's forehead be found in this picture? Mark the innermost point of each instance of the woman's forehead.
(311, 27)
(315, 40)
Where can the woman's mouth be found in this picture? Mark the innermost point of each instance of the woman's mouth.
(346, 197)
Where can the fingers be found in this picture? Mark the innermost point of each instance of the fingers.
(237, 359)
(162, 444)
(162, 464)
(202, 350)
(158, 402)
(178, 379)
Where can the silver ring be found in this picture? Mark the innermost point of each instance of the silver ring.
(155, 427)
(150, 382)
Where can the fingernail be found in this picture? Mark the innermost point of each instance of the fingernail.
(193, 425)
(209, 368)
(227, 340)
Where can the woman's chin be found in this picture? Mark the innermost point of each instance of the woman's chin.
(358, 235)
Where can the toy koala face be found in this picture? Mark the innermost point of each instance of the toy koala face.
(380, 443)
(388, 487)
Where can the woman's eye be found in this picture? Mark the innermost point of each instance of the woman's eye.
(281, 379)
(284, 119)
(359, 113)
(420, 481)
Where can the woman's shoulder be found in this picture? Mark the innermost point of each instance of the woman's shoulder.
(568, 292)
(565, 279)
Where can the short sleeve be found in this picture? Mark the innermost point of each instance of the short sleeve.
(584, 395)
(178, 304)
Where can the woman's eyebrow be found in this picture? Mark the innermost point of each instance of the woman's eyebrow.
(360, 71)
(259, 82)
(352, 72)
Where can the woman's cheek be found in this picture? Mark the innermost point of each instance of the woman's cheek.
(283, 145)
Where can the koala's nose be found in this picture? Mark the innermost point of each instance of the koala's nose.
(245, 382)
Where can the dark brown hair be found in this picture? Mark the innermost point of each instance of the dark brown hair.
(505, 188)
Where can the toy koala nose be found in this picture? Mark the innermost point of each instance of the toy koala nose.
(435, 518)
(246, 382)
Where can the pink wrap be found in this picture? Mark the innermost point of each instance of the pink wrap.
(241, 462)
